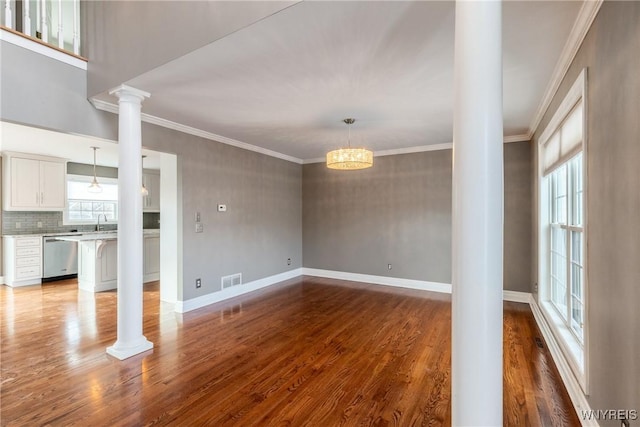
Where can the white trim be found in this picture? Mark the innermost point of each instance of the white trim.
(525, 137)
(379, 280)
(148, 118)
(581, 26)
(1, 280)
(204, 300)
(516, 296)
(418, 149)
(33, 46)
(578, 399)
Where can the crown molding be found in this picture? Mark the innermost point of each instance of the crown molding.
(581, 26)
(112, 108)
(148, 118)
(525, 137)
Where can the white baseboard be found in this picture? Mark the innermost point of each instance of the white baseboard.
(379, 280)
(516, 296)
(1, 280)
(578, 399)
(204, 300)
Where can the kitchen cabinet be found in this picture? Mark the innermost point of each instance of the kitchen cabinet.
(151, 202)
(151, 258)
(33, 183)
(22, 260)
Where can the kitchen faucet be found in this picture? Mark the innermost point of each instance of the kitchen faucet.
(98, 225)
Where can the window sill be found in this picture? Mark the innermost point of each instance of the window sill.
(569, 344)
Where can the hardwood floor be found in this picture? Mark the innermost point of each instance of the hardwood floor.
(310, 351)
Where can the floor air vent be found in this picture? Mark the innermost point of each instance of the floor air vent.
(232, 280)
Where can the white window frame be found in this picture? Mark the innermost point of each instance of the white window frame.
(65, 218)
(575, 352)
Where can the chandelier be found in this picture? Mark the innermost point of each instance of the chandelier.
(349, 158)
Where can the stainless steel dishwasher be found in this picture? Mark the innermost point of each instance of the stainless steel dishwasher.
(60, 258)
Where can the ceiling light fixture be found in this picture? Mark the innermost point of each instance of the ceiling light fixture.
(144, 191)
(94, 187)
(349, 158)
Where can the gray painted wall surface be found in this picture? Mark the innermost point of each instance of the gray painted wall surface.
(399, 212)
(58, 101)
(610, 52)
(262, 226)
(145, 33)
(87, 170)
(517, 216)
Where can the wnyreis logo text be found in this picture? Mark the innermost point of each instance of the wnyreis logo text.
(610, 414)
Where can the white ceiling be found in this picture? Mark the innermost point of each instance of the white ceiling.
(286, 82)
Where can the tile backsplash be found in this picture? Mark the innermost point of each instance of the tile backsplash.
(51, 222)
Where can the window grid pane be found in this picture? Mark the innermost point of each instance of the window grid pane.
(84, 206)
(566, 279)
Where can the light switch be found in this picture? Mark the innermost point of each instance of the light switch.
(197, 216)
(222, 208)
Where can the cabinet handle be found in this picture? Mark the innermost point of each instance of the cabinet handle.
(37, 199)
(41, 198)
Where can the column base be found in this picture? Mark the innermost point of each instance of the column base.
(121, 352)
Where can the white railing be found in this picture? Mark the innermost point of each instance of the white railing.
(56, 22)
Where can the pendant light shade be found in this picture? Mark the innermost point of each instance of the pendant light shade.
(94, 187)
(349, 158)
(144, 190)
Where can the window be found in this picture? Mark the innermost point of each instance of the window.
(84, 207)
(566, 248)
(562, 237)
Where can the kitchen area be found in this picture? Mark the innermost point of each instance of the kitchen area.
(56, 224)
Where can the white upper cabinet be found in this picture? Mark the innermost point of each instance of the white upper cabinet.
(33, 183)
(151, 180)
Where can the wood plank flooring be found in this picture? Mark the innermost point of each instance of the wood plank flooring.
(314, 352)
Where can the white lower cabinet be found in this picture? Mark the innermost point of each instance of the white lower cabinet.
(98, 265)
(22, 260)
(151, 258)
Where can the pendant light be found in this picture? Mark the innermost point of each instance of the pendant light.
(144, 190)
(349, 158)
(94, 187)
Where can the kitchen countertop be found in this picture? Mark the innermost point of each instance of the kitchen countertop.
(88, 237)
(146, 232)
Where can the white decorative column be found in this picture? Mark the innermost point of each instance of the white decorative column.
(130, 259)
(476, 382)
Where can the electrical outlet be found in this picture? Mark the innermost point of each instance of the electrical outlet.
(39, 224)
(288, 261)
(198, 283)
(18, 225)
(535, 287)
(389, 266)
(199, 227)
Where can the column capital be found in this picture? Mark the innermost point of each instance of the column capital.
(124, 92)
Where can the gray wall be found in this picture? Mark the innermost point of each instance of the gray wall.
(262, 226)
(399, 212)
(145, 33)
(43, 92)
(87, 170)
(610, 52)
